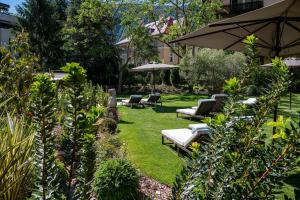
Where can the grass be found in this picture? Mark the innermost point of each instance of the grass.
(141, 129)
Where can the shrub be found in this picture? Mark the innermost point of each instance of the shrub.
(95, 95)
(241, 164)
(210, 68)
(116, 179)
(106, 125)
(16, 72)
(87, 166)
(197, 89)
(109, 147)
(94, 114)
(259, 81)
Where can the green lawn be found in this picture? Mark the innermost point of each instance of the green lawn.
(140, 128)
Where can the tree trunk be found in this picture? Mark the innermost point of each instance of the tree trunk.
(120, 80)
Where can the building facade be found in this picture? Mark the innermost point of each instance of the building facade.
(236, 7)
(7, 22)
(165, 53)
(231, 8)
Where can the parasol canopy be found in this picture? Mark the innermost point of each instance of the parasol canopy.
(276, 26)
(58, 76)
(153, 67)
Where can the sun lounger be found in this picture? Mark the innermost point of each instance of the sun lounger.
(183, 138)
(153, 99)
(250, 102)
(204, 108)
(133, 100)
(220, 102)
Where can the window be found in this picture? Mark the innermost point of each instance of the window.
(171, 56)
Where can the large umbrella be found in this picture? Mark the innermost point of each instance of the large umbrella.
(152, 67)
(277, 27)
(292, 64)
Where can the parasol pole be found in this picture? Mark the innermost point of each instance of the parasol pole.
(290, 100)
(153, 81)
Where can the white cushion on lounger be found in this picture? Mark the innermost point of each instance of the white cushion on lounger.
(250, 101)
(246, 118)
(195, 107)
(144, 100)
(125, 101)
(188, 111)
(180, 136)
(198, 126)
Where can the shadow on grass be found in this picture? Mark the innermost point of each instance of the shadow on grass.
(180, 152)
(135, 107)
(185, 97)
(167, 109)
(125, 122)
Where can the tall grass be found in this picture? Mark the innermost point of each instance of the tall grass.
(16, 139)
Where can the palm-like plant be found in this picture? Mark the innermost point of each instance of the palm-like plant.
(15, 155)
(75, 124)
(43, 104)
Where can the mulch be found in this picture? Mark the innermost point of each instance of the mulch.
(152, 189)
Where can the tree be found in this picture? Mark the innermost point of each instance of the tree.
(210, 68)
(61, 9)
(89, 40)
(181, 16)
(16, 72)
(40, 19)
(141, 45)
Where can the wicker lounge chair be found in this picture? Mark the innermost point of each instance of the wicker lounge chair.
(220, 102)
(204, 108)
(133, 100)
(183, 138)
(153, 99)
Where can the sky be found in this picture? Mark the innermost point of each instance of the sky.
(12, 3)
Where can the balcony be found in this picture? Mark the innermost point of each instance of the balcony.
(237, 8)
(4, 8)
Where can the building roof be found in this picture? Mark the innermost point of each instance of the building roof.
(155, 28)
(7, 20)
